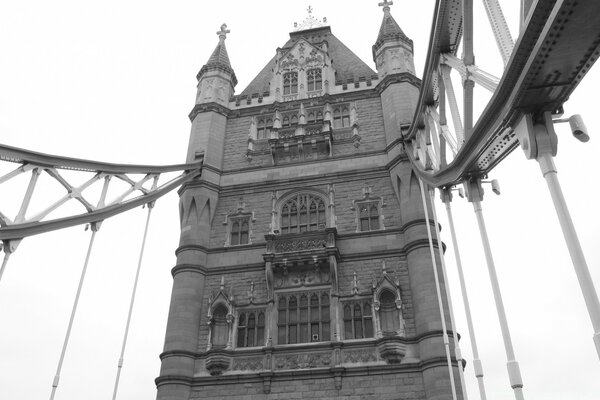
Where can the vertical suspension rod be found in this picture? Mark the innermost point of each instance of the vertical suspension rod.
(94, 227)
(468, 59)
(439, 293)
(4, 262)
(457, 351)
(477, 365)
(133, 293)
(514, 373)
(566, 223)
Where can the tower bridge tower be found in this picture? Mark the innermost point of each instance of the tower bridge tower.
(304, 266)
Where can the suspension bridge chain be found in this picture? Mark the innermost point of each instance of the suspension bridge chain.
(137, 185)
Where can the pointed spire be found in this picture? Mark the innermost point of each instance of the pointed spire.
(389, 27)
(219, 59)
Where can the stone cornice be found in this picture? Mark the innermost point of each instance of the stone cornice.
(403, 77)
(209, 107)
(199, 269)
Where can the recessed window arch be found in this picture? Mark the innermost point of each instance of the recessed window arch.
(290, 83)
(341, 117)
(251, 329)
(303, 317)
(220, 329)
(303, 212)
(265, 125)
(358, 320)
(388, 313)
(314, 80)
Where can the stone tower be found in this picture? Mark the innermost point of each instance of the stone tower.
(303, 269)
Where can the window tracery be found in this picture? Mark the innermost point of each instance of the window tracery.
(358, 320)
(303, 213)
(314, 80)
(251, 328)
(341, 117)
(290, 83)
(303, 317)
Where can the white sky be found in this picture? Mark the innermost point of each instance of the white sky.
(114, 81)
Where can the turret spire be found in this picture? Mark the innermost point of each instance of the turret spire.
(219, 59)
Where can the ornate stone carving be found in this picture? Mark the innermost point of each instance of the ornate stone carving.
(247, 364)
(359, 356)
(282, 246)
(303, 361)
(218, 362)
(392, 350)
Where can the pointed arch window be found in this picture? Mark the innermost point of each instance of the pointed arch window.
(314, 79)
(265, 125)
(303, 318)
(388, 313)
(358, 320)
(290, 83)
(315, 116)
(239, 231)
(303, 213)
(369, 216)
(251, 329)
(341, 117)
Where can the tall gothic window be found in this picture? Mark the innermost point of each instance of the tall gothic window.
(251, 329)
(290, 83)
(303, 318)
(341, 117)
(314, 80)
(303, 213)
(368, 216)
(264, 128)
(240, 230)
(358, 320)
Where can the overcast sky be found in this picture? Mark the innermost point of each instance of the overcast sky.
(115, 81)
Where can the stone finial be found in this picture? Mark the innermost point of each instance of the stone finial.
(222, 282)
(383, 270)
(386, 5)
(354, 283)
(223, 33)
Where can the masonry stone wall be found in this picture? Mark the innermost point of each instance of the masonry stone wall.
(390, 386)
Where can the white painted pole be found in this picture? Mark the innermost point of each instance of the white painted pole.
(566, 223)
(439, 294)
(73, 311)
(457, 351)
(514, 373)
(4, 262)
(133, 292)
(477, 365)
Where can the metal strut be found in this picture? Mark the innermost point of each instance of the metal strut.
(457, 351)
(477, 366)
(133, 292)
(439, 294)
(95, 226)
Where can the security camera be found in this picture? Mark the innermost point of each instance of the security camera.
(495, 186)
(578, 128)
(461, 193)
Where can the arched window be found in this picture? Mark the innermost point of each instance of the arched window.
(303, 318)
(368, 216)
(290, 83)
(313, 79)
(251, 329)
(240, 231)
(358, 320)
(302, 213)
(341, 117)
(264, 128)
(388, 313)
(220, 328)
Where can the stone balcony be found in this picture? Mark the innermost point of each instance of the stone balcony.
(302, 142)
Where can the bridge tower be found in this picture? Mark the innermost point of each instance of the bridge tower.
(304, 266)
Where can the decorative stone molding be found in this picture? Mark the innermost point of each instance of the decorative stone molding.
(217, 362)
(248, 364)
(360, 356)
(303, 361)
(391, 349)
